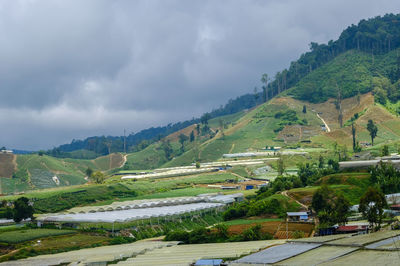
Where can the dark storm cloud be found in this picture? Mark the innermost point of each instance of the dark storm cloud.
(71, 69)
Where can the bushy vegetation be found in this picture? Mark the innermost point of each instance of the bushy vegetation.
(270, 205)
(331, 208)
(372, 204)
(84, 196)
(21, 174)
(217, 234)
(288, 117)
(386, 177)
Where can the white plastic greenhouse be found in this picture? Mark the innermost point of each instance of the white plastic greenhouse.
(131, 214)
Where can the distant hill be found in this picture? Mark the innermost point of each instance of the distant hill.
(93, 147)
(362, 59)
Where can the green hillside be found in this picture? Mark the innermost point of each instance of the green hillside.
(351, 72)
(36, 172)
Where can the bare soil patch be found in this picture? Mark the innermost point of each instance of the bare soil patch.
(7, 165)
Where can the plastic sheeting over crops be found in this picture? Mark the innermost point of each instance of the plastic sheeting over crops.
(142, 209)
(132, 214)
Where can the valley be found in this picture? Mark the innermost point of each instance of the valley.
(307, 168)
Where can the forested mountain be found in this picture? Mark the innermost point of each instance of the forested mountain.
(365, 58)
(375, 36)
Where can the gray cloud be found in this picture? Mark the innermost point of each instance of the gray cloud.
(71, 69)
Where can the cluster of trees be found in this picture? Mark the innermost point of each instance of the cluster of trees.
(386, 177)
(96, 177)
(262, 204)
(331, 208)
(288, 117)
(217, 234)
(18, 210)
(372, 205)
(310, 173)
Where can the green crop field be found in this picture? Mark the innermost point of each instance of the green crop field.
(149, 158)
(19, 236)
(251, 221)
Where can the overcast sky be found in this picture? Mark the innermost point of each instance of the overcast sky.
(72, 69)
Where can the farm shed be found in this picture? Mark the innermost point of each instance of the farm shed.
(297, 216)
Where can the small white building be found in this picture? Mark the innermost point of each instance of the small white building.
(297, 216)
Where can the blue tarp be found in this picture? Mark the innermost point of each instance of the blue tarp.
(214, 262)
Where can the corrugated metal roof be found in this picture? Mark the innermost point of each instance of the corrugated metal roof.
(277, 253)
(297, 213)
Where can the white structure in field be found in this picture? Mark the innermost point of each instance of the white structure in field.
(143, 209)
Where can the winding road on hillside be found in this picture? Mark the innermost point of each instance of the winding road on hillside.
(323, 121)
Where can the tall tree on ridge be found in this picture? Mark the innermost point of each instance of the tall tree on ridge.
(373, 130)
(265, 79)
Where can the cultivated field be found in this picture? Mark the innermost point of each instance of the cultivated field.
(19, 236)
(275, 228)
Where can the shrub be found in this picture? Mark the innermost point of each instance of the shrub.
(298, 234)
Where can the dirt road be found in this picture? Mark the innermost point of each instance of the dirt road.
(323, 121)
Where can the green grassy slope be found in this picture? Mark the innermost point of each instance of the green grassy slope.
(253, 131)
(37, 172)
(352, 185)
